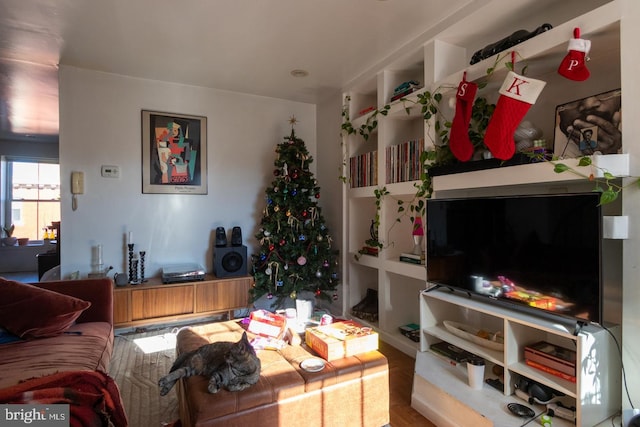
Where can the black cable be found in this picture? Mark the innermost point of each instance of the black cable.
(624, 375)
(533, 418)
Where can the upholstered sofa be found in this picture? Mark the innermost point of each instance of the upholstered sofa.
(57, 334)
(352, 391)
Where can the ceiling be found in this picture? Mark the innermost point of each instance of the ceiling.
(248, 46)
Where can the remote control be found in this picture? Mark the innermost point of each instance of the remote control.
(495, 383)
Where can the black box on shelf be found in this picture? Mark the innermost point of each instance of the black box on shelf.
(451, 351)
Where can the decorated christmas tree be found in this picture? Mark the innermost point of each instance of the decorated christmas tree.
(295, 245)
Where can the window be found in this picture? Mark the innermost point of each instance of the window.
(34, 194)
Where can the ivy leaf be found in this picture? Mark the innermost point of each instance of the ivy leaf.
(560, 167)
(608, 196)
(584, 161)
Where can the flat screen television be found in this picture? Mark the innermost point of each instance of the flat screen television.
(535, 252)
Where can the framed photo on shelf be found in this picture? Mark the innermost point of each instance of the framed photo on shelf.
(591, 125)
(174, 153)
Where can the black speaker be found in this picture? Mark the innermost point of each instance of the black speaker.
(230, 261)
(236, 236)
(221, 237)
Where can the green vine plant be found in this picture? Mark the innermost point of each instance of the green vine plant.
(374, 240)
(608, 185)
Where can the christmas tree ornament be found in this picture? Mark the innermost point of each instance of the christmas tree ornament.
(318, 292)
(276, 172)
(302, 237)
(276, 208)
(293, 295)
(268, 271)
(271, 247)
(301, 260)
(279, 283)
(573, 65)
(325, 264)
(263, 257)
(288, 213)
(294, 175)
(286, 267)
(317, 195)
(318, 273)
(517, 94)
(269, 295)
(266, 233)
(304, 214)
(459, 141)
(276, 189)
(282, 242)
(294, 192)
(319, 238)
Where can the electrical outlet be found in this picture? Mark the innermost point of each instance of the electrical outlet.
(110, 171)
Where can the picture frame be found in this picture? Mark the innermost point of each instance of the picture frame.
(174, 153)
(591, 125)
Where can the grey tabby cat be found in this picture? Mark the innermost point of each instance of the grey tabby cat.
(233, 366)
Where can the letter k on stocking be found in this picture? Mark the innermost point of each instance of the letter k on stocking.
(517, 94)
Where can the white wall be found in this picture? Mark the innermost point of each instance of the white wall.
(100, 118)
(329, 161)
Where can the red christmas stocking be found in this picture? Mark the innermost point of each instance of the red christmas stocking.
(573, 66)
(459, 141)
(517, 94)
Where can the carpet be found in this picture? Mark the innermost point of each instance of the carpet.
(137, 373)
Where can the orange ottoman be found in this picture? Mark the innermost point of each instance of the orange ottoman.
(353, 391)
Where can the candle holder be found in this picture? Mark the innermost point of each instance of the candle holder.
(142, 278)
(133, 265)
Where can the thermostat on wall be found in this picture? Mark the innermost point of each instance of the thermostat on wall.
(110, 171)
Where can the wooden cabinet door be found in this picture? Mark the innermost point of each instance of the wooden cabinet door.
(222, 294)
(161, 301)
(121, 311)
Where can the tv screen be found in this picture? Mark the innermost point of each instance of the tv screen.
(541, 252)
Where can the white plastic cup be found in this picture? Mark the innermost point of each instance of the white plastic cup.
(475, 370)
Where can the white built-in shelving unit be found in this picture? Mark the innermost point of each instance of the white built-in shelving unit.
(440, 390)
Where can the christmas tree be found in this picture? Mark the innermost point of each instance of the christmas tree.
(295, 246)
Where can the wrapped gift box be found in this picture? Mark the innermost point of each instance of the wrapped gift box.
(267, 324)
(341, 339)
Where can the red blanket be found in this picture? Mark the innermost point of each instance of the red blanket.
(93, 397)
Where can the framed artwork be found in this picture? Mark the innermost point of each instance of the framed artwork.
(174, 153)
(591, 125)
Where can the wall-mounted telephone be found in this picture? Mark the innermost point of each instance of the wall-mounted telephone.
(77, 187)
(77, 182)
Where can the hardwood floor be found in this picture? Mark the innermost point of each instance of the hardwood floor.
(401, 366)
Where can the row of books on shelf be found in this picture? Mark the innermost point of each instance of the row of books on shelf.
(412, 258)
(403, 161)
(552, 359)
(363, 170)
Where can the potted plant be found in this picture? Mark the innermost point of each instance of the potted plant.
(9, 240)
